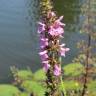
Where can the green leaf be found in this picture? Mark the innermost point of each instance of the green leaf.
(40, 75)
(24, 74)
(33, 87)
(8, 90)
(70, 85)
(92, 86)
(24, 94)
(73, 69)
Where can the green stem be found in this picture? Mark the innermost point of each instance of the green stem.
(63, 88)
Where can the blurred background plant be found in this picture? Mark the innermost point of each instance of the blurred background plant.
(87, 47)
(27, 83)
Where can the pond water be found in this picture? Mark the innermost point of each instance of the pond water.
(18, 37)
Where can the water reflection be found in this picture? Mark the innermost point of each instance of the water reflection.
(16, 42)
(71, 12)
(72, 17)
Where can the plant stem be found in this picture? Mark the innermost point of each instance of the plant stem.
(86, 67)
(87, 53)
(62, 84)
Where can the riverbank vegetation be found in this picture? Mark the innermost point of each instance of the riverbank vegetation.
(27, 83)
(56, 79)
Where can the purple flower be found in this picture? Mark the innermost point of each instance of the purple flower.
(44, 62)
(43, 42)
(62, 45)
(59, 31)
(56, 31)
(43, 52)
(58, 23)
(43, 55)
(63, 50)
(51, 31)
(57, 70)
(56, 28)
(51, 14)
(41, 27)
(46, 66)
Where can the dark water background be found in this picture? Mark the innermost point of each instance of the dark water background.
(18, 37)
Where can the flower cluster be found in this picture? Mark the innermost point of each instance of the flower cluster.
(50, 35)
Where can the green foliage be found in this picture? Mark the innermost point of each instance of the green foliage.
(40, 75)
(92, 86)
(33, 87)
(24, 94)
(70, 85)
(73, 69)
(24, 74)
(8, 90)
(31, 82)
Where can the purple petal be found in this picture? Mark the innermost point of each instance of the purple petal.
(46, 67)
(51, 14)
(57, 70)
(63, 51)
(41, 27)
(43, 55)
(43, 42)
(45, 62)
(43, 52)
(56, 31)
(60, 18)
(62, 45)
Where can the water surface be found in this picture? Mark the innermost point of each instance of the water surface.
(18, 37)
(18, 43)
